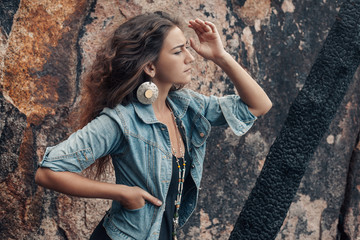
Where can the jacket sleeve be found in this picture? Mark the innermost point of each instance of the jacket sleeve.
(230, 110)
(98, 138)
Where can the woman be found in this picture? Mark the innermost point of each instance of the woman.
(154, 132)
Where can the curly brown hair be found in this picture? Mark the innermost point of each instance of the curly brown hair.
(118, 69)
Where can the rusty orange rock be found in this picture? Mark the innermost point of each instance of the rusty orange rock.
(254, 10)
(27, 81)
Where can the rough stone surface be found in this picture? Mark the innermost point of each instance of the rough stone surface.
(350, 210)
(12, 126)
(7, 11)
(307, 121)
(47, 46)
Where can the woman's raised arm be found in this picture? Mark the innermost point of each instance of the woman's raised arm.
(211, 47)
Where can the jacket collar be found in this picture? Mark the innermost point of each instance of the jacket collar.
(177, 102)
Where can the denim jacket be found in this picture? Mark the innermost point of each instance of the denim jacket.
(141, 153)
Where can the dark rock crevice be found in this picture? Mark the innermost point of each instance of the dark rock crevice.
(8, 9)
(350, 188)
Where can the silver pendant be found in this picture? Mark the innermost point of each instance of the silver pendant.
(147, 93)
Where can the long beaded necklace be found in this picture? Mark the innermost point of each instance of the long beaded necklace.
(181, 178)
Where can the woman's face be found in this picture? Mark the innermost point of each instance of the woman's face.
(174, 62)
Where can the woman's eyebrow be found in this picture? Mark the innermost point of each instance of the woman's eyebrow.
(178, 46)
(181, 45)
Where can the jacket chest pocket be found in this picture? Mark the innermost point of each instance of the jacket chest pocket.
(199, 135)
(201, 131)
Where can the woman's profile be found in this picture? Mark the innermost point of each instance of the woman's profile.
(138, 114)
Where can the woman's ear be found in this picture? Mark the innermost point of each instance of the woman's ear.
(150, 69)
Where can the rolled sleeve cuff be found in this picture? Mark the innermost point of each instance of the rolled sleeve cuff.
(237, 114)
(74, 162)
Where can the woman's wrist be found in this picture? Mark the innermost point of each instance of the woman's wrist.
(112, 191)
(224, 60)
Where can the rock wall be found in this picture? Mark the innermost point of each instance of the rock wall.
(308, 119)
(47, 46)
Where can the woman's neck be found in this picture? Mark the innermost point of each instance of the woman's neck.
(159, 105)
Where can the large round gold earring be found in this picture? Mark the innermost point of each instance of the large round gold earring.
(147, 93)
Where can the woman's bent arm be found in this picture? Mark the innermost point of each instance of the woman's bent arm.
(250, 92)
(76, 185)
(211, 48)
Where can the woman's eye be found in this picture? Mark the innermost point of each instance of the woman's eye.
(178, 52)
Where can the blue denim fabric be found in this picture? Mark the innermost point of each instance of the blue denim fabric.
(141, 153)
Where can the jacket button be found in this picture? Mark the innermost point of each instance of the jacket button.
(202, 134)
(192, 165)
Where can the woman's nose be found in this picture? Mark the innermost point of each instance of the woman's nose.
(189, 57)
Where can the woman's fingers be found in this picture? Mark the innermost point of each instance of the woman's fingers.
(151, 199)
(210, 45)
(135, 197)
(199, 26)
(192, 44)
(212, 26)
(197, 32)
(205, 25)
